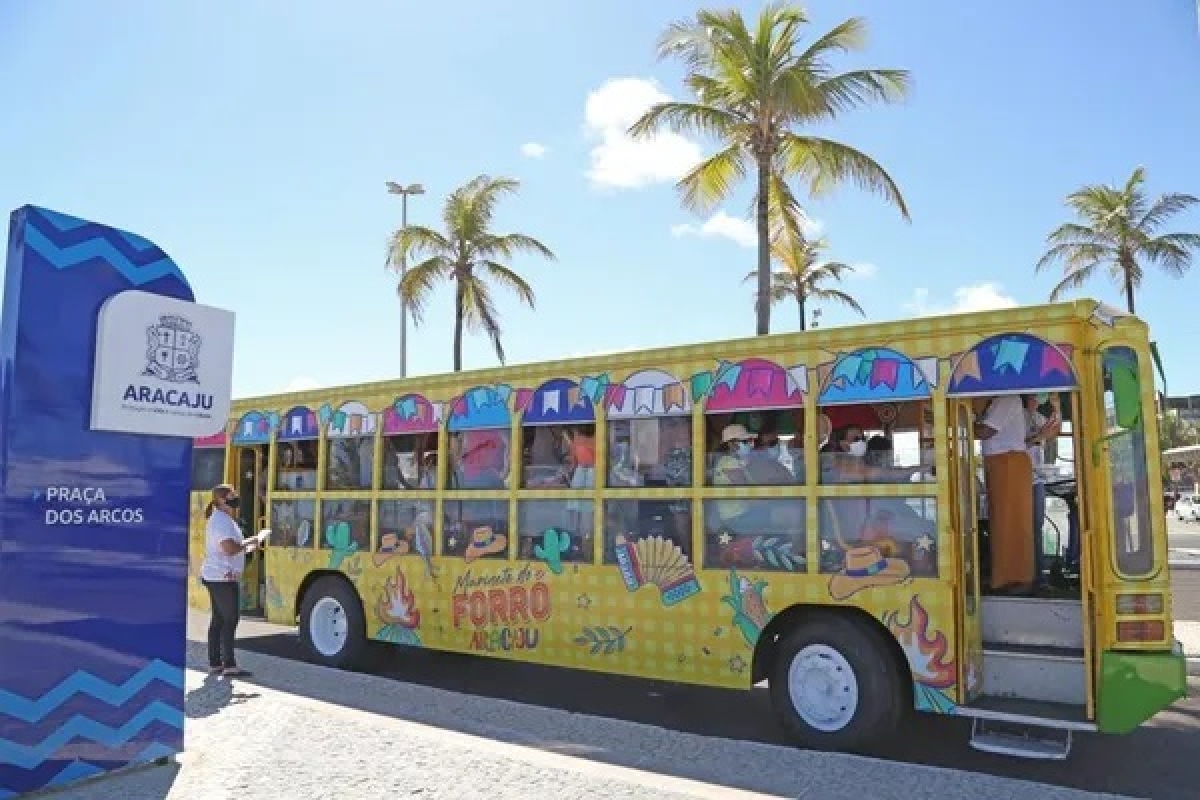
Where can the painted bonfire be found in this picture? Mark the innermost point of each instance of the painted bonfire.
(934, 671)
(397, 609)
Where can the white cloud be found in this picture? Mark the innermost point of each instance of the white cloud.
(721, 225)
(986, 296)
(301, 383)
(617, 161)
(533, 150)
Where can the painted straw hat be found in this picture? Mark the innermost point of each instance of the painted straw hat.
(865, 568)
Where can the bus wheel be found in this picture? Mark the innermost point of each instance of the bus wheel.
(332, 624)
(834, 685)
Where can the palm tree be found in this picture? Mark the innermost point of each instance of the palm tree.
(755, 90)
(804, 275)
(1118, 228)
(470, 255)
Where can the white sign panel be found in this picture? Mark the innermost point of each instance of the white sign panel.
(163, 366)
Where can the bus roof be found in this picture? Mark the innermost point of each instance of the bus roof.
(829, 339)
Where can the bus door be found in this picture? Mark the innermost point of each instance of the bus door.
(251, 485)
(965, 520)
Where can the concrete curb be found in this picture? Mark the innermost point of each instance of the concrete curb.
(1193, 666)
(1184, 564)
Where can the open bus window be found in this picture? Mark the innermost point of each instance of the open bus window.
(208, 468)
(406, 528)
(650, 451)
(879, 443)
(760, 534)
(900, 532)
(546, 456)
(346, 527)
(293, 522)
(555, 531)
(350, 462)
(755, 448)
(475, 529)
(410, 461)
(296, 467)
(479, 459)
(658, 532)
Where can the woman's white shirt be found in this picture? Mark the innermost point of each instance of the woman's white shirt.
(218, 566)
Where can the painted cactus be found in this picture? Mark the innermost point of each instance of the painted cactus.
(555, 544)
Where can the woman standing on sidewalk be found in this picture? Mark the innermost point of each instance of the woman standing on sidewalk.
(224, 561)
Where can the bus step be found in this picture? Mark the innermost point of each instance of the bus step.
(1032, 622)
(1007, 739)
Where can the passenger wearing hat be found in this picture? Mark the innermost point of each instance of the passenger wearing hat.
(732, 468)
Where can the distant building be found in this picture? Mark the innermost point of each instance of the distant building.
(1187, 407)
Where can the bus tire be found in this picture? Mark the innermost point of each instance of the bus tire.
(333, 628)
(834, 685)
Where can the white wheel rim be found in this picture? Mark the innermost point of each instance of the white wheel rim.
(327, 625)
(823, 688)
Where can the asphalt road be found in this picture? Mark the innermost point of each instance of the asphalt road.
(1157, 761)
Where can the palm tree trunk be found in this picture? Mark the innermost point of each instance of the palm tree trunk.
(1125, 259)
(458, 325)
(800, 301)
(1129, 293)
(762, 305)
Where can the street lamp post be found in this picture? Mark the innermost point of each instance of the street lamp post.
(404, 192)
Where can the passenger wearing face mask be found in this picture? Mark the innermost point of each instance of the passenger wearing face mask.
(733, 469)
(765, 461)
(224, 561)
(847, 451)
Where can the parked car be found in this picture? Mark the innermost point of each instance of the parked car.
(1187, 508)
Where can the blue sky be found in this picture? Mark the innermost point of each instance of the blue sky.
(252, 142)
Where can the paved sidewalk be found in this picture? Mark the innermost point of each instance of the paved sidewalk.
(1188, 634)
(318, 734)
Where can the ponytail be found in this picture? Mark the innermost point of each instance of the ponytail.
(208, 509)
(219, 492)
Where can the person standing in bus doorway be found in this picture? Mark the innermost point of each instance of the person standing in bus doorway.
(224, 561)
(1039, 428)
(1008, 476)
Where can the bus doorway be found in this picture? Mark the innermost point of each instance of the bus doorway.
(251, 485)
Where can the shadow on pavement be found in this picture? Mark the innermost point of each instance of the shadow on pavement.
(1156, 761)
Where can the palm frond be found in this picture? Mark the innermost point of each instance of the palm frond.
(419, 281)
(836, 296)
(510, 280)
(1075, 278)
(681, 117)
(1163, 209)
(479, 312)
(712, 180)
(1172, 252)
(851, 90)
(415, 241)
(823, 163)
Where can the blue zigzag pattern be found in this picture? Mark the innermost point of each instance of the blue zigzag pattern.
(79, 770)
(67, 242)
(82, 727)
(32, 711)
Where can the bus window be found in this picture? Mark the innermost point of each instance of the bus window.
(208, 468)
(755, 448)
(555, 531)
(410, 461)
(350, 462)
(899, 528)
(761, 534)
(650, 451)
(549, 452)
(406, 528)
(629, 522)
(479, 459)
(475, 529)
(293, 522)
(346, 527)
(296, 469)
(1134, 545)
(879, 443)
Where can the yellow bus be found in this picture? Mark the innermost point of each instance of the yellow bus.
(691, 514)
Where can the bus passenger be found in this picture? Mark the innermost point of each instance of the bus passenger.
(581, 455)
(1008, 475)
(733, 469)
(1039, 430)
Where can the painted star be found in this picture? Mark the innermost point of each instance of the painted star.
(724, 538)
(736, 664)
(718, 631)
(451, 543)
(583, 601)
(925, 542)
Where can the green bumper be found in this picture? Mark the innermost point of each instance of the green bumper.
(1136, 686)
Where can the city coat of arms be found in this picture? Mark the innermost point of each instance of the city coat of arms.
(172, 350)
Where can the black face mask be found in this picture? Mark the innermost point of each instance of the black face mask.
(233, 502)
